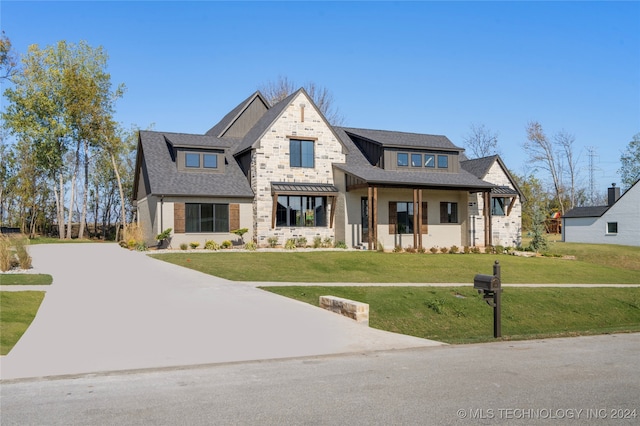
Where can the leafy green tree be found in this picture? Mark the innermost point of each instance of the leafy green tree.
(58, 104)
(8, 59)
(630, 163)
(535, 198)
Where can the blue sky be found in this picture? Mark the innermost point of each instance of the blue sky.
(426, 67)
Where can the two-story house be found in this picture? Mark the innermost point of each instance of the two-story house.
(283, 172)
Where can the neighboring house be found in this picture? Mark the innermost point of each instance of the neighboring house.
(616, 223)
(283, 172)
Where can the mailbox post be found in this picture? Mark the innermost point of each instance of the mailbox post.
(490, 286)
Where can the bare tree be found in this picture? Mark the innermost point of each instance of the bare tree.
(540, 150)
(565, 140)
(275, 91)
(481, 141)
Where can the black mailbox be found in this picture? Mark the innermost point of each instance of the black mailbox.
(486, 282)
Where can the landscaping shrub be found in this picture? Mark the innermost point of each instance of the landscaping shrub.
(317, 242)
(421, 250)
(226, 244)
(290, 244)
(397, 248)
(444, 250)
(327, 242)
(272, 241)
(499, 249)
(142, 246)
(211, 245)
(341, 245)
(454, 249)
(433, 249)
(475, 250)
(301, 242)
(466, 250)
(194, 244)
(410, 249)
(184, 246)
(251, 245)
(489, 250)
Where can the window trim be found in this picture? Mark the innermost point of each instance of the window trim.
(433, 163)
(406, 154)
(608, 229)
(504, 206)
(201, 168)
(446, 159)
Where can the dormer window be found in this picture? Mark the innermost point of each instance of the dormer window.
(429, 161)
(200, 161)
(403, 159)
(443, 161)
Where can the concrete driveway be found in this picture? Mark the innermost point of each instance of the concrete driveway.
(111, 309)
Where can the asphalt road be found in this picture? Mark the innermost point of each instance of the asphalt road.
(583, 380)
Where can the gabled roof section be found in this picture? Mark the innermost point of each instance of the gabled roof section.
(227, 121)
(391, 139)
(358, 166)
(480, 167)
(264, 123)
(165, 179)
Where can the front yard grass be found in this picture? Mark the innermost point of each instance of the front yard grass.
(17, 311)
(460, 315)
(617, 265)
(25, 279)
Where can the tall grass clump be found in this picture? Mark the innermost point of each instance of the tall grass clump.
(6, 254)
(24, 259)
(133, 236)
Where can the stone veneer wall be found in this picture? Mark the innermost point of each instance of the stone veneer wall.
(507, 230)
(270, 163)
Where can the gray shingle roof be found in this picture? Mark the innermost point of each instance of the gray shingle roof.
(479, 166)
(183, 140)
(165, 179)
(402, 139)
(592, 211)
(358, 166)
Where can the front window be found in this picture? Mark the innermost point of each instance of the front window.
(192, 160)
(207, 217)
(301, 153)
(443, 161)
(404, 214)
(210, 161)
(301, 210)
(429, 160)
(497, 206)
(403, 159)
(612, 227)
(448, 212)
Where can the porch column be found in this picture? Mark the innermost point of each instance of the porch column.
(370, 217)
(487, 219)
(375, 218)
(419, 218)
(416, 228)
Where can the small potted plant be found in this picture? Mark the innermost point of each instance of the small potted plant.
(164, 238)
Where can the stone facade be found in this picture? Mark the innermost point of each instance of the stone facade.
(270, 163)
(506, 230)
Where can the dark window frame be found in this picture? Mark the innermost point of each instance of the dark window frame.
(405, 159)
(432, 157)
(301, 211)
(448, 212)
(612, 228)
(299, 156)
(498, 209)
(404, 217)
(440, 161)
(215, 220)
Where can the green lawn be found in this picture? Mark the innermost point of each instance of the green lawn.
(25, 279)
(17, 310)
(460, 315)
(594, 265)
